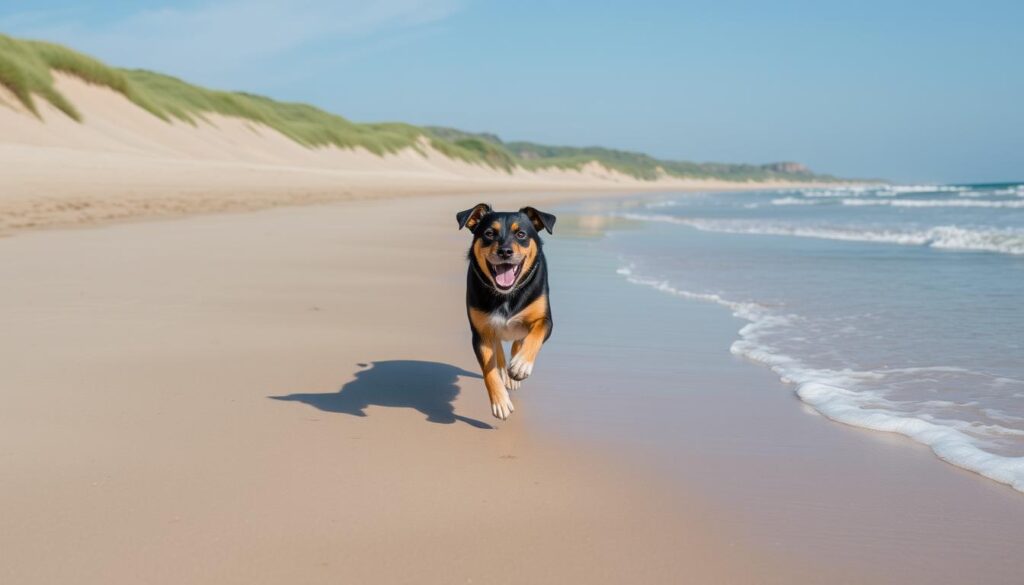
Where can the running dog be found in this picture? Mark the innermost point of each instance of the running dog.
(507, 295)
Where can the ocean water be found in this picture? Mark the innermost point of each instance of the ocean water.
(894, 308)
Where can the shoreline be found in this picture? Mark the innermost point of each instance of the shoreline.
(665, 389)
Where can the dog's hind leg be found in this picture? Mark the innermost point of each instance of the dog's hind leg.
(507, 380)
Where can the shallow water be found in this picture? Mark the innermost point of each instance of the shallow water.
(891, 308)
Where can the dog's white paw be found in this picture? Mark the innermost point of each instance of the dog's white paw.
(501, 406)
(520, 369)
(507, 380)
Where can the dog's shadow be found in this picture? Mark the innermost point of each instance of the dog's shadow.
(429, 387)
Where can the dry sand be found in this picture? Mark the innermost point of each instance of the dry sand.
(122, 162)
(140, 443)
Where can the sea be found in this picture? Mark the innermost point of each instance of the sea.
(898, 308)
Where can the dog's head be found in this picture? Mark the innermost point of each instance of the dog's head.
(506, 244)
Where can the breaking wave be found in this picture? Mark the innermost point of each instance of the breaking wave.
(949, 237)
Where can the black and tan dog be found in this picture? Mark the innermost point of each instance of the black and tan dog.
(507, 295)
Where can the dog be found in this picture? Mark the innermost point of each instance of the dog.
(507, 295)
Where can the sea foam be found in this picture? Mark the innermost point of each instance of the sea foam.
(950, 237)
(936, 203)
(833, 393)
(794, 201)
(881, 190)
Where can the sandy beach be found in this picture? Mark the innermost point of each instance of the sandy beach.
(286, 395)
(229, 357)
(289, 395)
(173, 415)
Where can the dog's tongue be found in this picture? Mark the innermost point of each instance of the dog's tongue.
(505, 274)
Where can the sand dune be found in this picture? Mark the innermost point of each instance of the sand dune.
(122, 162)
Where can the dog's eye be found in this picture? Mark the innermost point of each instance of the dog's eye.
(521, 235)
(489, 233)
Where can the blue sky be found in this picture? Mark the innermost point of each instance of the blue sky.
(912, 91)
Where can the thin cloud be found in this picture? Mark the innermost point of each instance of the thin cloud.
(226, 38)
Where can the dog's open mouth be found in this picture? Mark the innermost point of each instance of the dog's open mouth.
(505, 274)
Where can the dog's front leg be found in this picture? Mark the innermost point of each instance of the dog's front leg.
(507, 380)
(501, 404)
(521, 365)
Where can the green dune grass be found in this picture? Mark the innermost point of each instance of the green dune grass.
(26, 70)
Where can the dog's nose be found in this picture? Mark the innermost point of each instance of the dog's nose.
(505, 253)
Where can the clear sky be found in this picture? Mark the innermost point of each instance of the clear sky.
(911, 91)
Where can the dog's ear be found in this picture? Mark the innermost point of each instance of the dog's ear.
(470, 217)
(541, 220)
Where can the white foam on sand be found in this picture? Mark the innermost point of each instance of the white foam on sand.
(832, 393)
